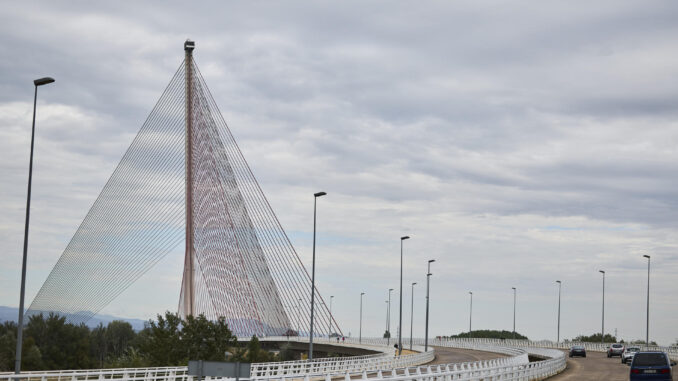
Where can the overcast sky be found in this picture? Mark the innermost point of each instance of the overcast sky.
(517, 143)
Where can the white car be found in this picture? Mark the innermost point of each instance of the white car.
(628, 354)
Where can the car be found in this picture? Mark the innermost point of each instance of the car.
(615, 350)
(578, 350)
(628, 353)
(651, 366)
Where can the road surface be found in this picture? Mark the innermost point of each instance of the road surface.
(453, 355)
(596, 366)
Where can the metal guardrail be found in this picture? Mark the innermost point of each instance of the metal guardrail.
(593, 347)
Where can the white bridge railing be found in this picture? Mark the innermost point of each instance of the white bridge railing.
(593, 347)
(379, 366)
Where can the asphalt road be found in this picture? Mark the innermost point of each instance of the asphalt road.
(596, 366)
(453, 355)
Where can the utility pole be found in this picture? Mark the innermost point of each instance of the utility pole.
(428, 281)
(400, 322)
(514, 313)
(647, 322)
(360, 333)
(559, 288)
(310, 342)
(470, 315)
(388, 318)
(602, 330)
(20, 327)
(412, 315)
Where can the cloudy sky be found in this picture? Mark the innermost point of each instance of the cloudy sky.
(517, 143)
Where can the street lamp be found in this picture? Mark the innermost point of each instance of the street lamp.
(560, 284)
(310, 342)
(20, 328)
(470, 315)
(386, 322)
(360, 334)
(602, 330)
(412, 314)
(388, 318)
(400, 322)
(514, 312)
(428, 278)
(647, 326)
(301, 322)
(331, 317)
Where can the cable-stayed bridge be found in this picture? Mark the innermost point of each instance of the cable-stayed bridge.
(183, 179)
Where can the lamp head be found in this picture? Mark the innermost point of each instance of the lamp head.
(319, 194)
(601, 271)
(431, 260)
(646, 256)
(189, 46)
(43, 81)
(470, 292)
(414, 283)
(558, 281)
(513, 288)
(390, 289)
(404, 237)
(362, 293)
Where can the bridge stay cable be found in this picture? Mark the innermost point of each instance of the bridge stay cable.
(183, 179)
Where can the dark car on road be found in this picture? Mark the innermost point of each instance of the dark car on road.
(651, 366)
(615, 350)
(578, 350)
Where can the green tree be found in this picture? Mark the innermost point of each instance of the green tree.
(595, 338)
(162, 344)
(119, 336)
(99, 346)
(7, 345)
(491, 334)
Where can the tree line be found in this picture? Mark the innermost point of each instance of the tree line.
(51, 343)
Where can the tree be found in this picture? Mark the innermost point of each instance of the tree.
(7, 345)
(595, 338)
(119, 335)
(491, 334)
(163, 341)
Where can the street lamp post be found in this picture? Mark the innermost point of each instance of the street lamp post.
(301, 322)
(400, 322)
(470, 315)
(20, 328)
(310, 341)
(514, 313)
(388, 318)
(360, 332)
(602, 329)
(386, 321)
(647, 323)
(331, 317)
(412, 315)
(428, 278)
(560, 284)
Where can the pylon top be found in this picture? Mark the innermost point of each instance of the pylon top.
(189, 46)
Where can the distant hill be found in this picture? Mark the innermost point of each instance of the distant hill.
(12, 314)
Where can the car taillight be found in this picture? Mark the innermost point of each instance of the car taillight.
(665, 371)
(635, 371)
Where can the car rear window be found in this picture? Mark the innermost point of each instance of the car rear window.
(633, 349)
(617, 345)
(649, 359)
